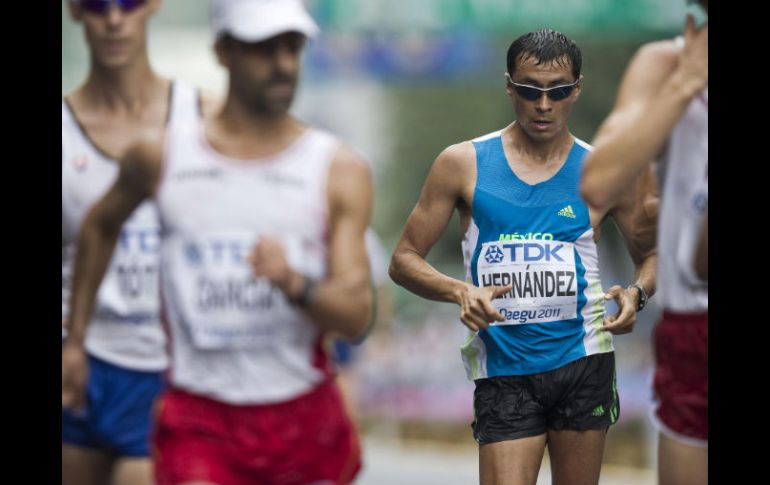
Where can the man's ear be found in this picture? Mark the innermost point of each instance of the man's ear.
(222, 51)
(508, 86)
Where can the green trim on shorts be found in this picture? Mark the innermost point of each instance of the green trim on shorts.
(614, 407)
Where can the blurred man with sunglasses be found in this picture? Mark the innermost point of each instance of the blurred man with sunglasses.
(661, 116)
(119, 361)
(539, 345)
(262, 254)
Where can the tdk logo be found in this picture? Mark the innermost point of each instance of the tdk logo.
(493, 255)
(525, 252)
(143, 240)
(215, 252)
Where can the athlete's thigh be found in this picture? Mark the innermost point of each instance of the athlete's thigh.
(133, 471)
(576, 456)
(680, 463)
(512, 461)
(84, 466)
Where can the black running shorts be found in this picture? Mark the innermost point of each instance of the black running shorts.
(579, 396)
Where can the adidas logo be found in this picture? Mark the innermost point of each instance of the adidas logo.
(567, 212)
(599, 410)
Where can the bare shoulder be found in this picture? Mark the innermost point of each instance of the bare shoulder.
(658, 55)
(350, 184)
(459, 157)
(454, 171)
(649, 68)
(350, 164)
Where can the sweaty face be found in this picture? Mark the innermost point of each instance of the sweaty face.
(263, 75)
(542, 119)
(115, 37)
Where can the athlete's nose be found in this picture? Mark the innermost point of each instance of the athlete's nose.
(543, 104)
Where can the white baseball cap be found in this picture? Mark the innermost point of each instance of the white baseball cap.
(257, 20)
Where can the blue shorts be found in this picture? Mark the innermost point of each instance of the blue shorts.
(118, 407)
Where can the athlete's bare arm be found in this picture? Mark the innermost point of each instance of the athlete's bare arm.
(659, 83)
(449, 185)
(342, 303)
(636, 216)
(137, 179)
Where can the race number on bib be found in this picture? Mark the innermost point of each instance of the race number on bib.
(128, 293)
(221, 303)
(542, 274)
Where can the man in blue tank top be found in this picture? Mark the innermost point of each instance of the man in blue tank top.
(539, 347)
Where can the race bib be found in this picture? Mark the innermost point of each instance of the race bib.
(542, 274)
(221, 303)
(129, 291)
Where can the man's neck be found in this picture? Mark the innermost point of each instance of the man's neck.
(238, 119)
(240, 133)
(538, 152)
(126, 89)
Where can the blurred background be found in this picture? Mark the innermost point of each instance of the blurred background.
(400, 80)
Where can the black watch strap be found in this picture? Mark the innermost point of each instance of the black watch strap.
(306, 297)
(642, 296)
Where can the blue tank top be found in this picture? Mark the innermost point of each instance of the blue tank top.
(539, 239)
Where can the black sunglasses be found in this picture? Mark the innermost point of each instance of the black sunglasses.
(102, 6)
(533, 93)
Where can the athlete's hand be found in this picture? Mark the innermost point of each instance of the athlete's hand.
(74, 375)
(476, 310)
(268, 260)
(625, 319)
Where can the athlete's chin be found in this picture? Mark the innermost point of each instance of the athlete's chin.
(279, 105)
(541, 136)
(115, 60)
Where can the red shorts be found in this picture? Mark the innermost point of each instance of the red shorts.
(306, 440)
(681, 382)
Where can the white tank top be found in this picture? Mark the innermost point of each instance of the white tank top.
(683, 172)
(125, 329)
(234, 337)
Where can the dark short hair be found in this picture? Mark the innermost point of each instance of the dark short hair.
(545, 45)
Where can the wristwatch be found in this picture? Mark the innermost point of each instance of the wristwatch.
(642, 296)
(306, 296)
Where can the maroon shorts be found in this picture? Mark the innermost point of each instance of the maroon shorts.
(306, 440)
(681, 383)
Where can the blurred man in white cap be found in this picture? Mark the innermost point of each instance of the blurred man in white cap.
(262, 254)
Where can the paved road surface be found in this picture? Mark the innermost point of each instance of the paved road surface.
(390, 463)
